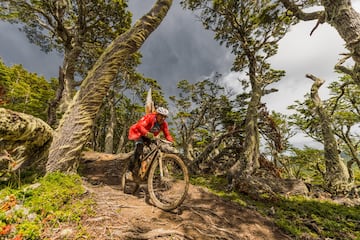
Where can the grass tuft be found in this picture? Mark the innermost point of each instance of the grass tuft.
(33, 209)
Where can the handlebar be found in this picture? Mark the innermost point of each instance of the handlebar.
(158, 141)
(164, 145)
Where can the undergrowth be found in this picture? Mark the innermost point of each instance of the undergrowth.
(299, 217)
(29, 211)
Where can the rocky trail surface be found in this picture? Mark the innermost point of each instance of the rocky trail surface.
(203, 215)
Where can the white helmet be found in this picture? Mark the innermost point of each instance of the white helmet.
(162, 111)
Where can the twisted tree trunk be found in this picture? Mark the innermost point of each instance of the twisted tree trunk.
(336, 175)
(75, 126)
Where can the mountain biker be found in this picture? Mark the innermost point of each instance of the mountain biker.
(146, 129)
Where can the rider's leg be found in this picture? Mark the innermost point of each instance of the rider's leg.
(139, 146)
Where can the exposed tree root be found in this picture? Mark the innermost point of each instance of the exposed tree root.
(156, 233)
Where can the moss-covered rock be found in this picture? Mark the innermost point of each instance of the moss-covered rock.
(24, 142)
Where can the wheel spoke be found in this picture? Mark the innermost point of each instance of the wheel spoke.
(169, 191)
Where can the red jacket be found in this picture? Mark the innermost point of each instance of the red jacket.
(145, 124)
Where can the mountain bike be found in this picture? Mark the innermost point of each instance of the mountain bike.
(166, 175)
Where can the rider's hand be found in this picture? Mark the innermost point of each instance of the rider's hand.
(150, 135)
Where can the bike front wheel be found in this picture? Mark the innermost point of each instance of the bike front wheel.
(168, 191)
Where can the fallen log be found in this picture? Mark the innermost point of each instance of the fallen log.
(98, 168)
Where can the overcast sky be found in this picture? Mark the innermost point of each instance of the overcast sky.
(181, 49)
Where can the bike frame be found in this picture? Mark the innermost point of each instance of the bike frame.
(150, 157)
(155, 156)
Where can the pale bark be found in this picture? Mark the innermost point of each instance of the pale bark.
(122, 139)
(336, 175)
(188, 151)
(92, 156)
(24, 142)
(344, 18)
(75, 126)
(212, 147)
(72, 53)
(345, 136)
(250, 162)
(109, 137)
(188, 132)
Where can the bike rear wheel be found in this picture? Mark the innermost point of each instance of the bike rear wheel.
(168, 191)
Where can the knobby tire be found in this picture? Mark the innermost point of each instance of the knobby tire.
(168, 193)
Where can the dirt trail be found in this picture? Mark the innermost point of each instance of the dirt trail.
(203, 215)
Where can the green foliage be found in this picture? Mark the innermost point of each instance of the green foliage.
(29, 230)
(357, 175)
(127, 110)
(217, 185)
(343, 110)
(342, 106)
(55, 198)
(63, 189)
(247, 27)
(203, 110)
(299, 217)
(42, 19)
(24, 92)
(305, 118)
(80, 30)
(331, 220)
(307, 164)
(252, 30)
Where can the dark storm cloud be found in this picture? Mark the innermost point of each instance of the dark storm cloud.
(179, 48)
(16, 49)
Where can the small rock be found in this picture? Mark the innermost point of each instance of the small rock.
(66, 232)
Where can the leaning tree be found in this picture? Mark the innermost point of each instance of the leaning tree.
(75, 126)
(336, 175)
(80, 30)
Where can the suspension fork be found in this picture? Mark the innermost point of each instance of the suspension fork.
(161, 164)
